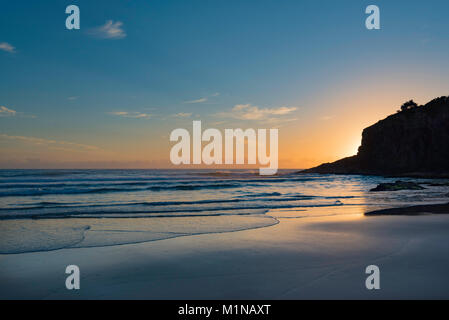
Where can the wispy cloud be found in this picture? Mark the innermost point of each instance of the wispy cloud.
(134, 115)
(110, 30)
(50, 143)
(183, 115)
(72, 98)
(250, 112)
(5, 112)
(5, 46)
(200, 100)
(203, 99)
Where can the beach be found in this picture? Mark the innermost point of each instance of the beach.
(298, 258)
(170, 234)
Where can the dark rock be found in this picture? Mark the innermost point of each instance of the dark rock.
(413, 210)
(398, 185)
(436, 184)
(412, 142)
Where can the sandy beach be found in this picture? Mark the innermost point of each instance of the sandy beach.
(313, 257)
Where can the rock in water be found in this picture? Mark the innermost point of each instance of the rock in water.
(414, 141)
(398, 185)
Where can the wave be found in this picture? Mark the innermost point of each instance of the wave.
(48, 191)
(64, 185)
(84, 180)
(45, 204)
(262, 194)
(170, 211)
(127, 179)
(40, 192)
(216, 173)
(196, 187)
(115, 185)
(40, 173)
(245, 198)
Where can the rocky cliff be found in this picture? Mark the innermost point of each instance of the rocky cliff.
(414, 141)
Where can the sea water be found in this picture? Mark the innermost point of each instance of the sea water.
(43, 210)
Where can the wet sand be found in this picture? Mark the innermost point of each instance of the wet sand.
(320, 257)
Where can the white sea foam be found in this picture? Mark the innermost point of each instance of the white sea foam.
(20, 236)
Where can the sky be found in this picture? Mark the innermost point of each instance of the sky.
(109, 94)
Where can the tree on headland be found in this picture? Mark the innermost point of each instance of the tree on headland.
(408, 105)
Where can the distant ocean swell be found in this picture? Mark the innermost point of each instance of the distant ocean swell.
(41, 188)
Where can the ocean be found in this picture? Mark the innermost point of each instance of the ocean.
(43, 210)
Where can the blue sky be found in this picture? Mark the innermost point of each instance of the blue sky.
(296, 65)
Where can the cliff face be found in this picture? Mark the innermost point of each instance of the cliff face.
(414, 141)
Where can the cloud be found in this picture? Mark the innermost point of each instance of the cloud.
(197, 100)
(110, 30)
(250, 112)
(134, 115)
(50, 143)
(183, 115)
(5, 112)
(72, 98)
(5, 46)
(204, 99)
(217, 123)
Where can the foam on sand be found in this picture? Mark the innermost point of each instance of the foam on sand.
(53, 234)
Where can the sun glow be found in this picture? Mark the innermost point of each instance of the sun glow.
(353, 146)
